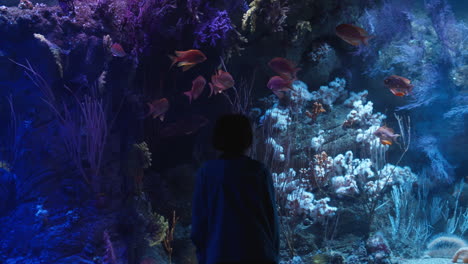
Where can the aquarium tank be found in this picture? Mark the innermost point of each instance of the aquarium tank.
(359, 110)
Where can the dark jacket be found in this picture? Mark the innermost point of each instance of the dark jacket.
(234, 215)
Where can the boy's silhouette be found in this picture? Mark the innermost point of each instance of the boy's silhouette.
(234, 218)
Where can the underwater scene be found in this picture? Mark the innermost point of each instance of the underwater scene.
(359, 110)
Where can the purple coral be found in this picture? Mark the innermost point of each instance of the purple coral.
(67, 6)
(214, 30)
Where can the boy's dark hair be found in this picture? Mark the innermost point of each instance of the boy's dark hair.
(232, 134)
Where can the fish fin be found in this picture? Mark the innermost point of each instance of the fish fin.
(173, 59)
(184, 63)
(187, 67)
(406, 80)
(354, 42)
(211, 89)
(385, 142)
(190, 95)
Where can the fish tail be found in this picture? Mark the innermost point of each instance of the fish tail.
(173, 59)
(365, 40)
(190, 95)
(150, 110)
(295, 73)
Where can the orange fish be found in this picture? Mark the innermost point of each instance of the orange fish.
(117, 50)
(187, 59)
(158, 108)
(285, 68)
(221, 81)
(197, 88)
(399, 86)
(352, 34)
(386, 135)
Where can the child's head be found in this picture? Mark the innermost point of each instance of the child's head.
(232, 134)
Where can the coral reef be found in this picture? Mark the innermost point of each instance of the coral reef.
(87, 178)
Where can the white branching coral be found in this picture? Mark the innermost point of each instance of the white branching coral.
(300, 93)
(276, 149)
(317, 142)
(304, 202)
(350, 170)
(277, 118)
(362, 115)
(362, 96)
(286, 181)
(389, 176)
(345, 185)
(397, 174)
(329, 94)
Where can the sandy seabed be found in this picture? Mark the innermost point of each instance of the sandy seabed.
(427, 261)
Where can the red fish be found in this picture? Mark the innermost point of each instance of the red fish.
(158, 108)
(352, 34)
(278, 83)
(197, 88)
(221, 81)
(386, 135)
(117, 50)
(399, 86)
(187, 59)
(285, 68)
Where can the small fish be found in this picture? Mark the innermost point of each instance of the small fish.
(220, 82)
(399, 86)
(352, 34)
(186, 126)
(187, 59)
(284, 67)
(386, 135)
(117, 50)
(279, 84)
(197, 88)
(158, 108)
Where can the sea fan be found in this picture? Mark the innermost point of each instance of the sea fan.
(441, 168)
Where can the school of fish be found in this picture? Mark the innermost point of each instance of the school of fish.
(279, 84)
